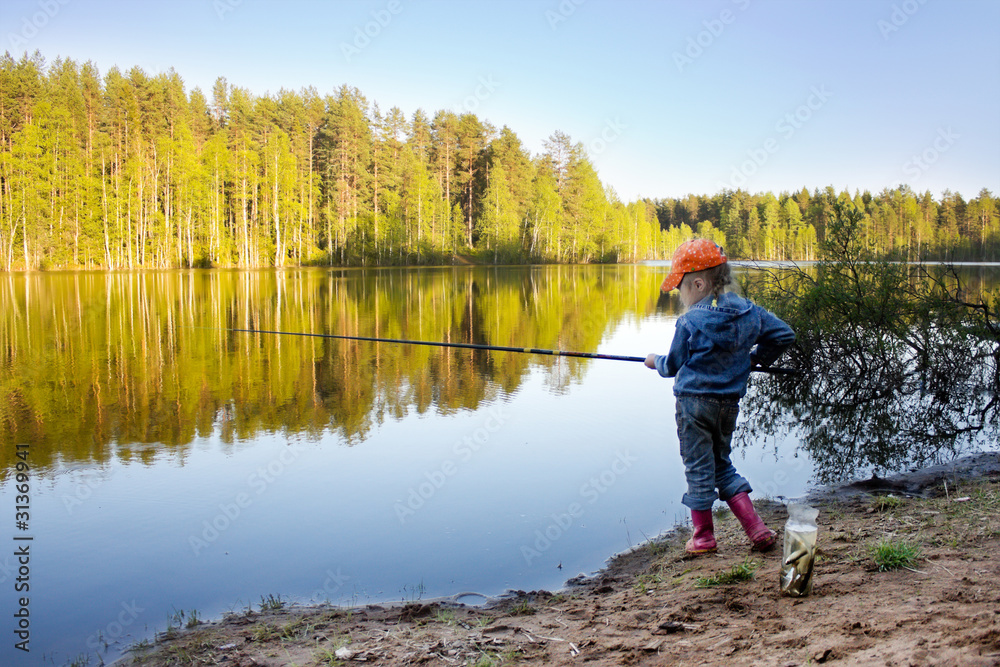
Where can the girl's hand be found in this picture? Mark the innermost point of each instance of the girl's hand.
(650, 361)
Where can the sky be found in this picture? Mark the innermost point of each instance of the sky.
(668, 98)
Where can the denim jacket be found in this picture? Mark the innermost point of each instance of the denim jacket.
(717, 341)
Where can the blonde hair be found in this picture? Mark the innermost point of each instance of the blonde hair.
(718, 278)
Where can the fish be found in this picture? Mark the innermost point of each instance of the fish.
(797, 567)
(795, 556)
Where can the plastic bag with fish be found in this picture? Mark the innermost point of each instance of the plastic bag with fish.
(800, 550)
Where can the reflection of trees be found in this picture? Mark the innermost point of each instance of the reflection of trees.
(900, 362)
(92, 363)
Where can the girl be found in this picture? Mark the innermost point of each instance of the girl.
(717, 341)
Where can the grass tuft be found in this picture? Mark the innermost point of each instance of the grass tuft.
(887, 503)
(264, 632)
(894, 554)
(522, 609)
(740, 572)
(445, 616)
(271, 602)
(644, 583)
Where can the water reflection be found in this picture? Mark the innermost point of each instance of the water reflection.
(138, 365)
(95, 364)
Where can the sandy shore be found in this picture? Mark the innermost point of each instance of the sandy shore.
(649, 607)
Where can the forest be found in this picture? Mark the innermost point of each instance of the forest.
(131, 171)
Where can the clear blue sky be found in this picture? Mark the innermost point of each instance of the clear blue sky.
(668, 97)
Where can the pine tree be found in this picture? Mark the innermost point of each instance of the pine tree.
(444, 144)
(585, 207)
(792, 220)
(245, 151)
(544, 215)
(470, 168)
(345, 149)
(420, 205)
(497, 227)
(771, 227)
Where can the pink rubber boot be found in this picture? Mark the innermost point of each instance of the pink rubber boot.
(762, 537)
(703, 539)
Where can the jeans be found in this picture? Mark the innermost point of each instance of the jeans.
(705, 428)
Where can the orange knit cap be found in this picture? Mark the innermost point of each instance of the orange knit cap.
(691, 256)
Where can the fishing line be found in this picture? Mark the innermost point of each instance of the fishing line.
(495, 348)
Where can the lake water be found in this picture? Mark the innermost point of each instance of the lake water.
(172, 465)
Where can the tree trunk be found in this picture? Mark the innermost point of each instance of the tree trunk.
(277, 221)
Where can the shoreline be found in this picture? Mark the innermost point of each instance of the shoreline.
(644, 606)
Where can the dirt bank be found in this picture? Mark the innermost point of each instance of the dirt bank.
(647, 606)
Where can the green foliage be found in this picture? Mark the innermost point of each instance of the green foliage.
(899, 361)
(897, 223)
(413, 593)
(264, 632)
(644, 583)
(271, 602)
(496, 658)
(130, 171)
(882, 503)
(498, 228)
(522, 608)
(740, 572)
(445, 616)
(177, 619)
(889, 554)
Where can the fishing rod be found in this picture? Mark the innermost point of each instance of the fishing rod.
(495, 348)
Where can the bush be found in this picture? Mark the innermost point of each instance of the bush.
(900, 363)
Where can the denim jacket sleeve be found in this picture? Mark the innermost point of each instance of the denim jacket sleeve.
(775, 337)
(668, 364)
